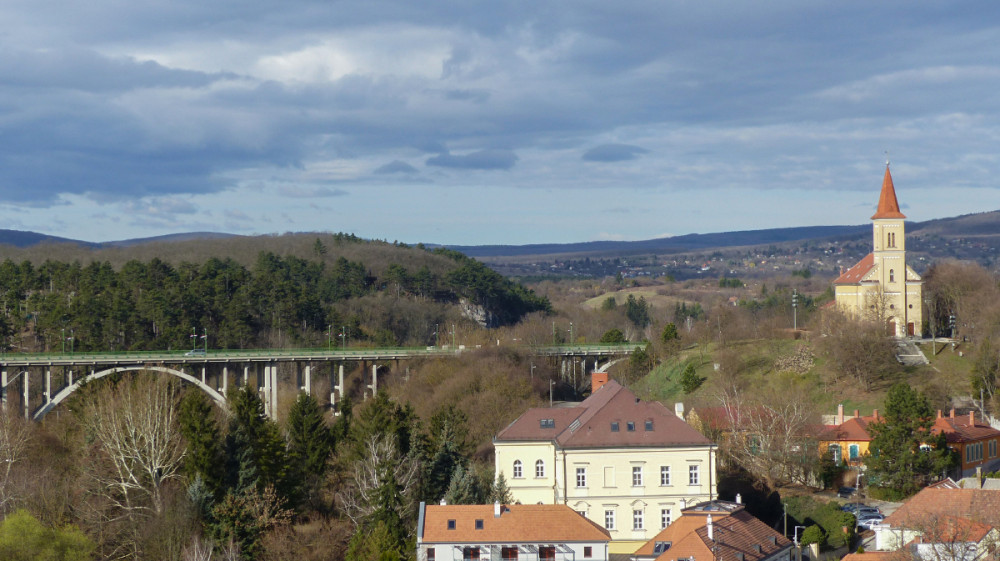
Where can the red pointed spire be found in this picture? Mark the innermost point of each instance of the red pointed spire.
(888, 206)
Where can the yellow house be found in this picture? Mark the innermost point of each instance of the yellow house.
(882, 286)
(847, 440)
(626, 464)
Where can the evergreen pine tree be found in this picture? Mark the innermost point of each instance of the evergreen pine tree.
(204, 447)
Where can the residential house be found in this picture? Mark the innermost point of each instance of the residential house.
(943, 521)
(527, 532)
(716, 531)
(976, 442)
(882, 286)
(629, 465)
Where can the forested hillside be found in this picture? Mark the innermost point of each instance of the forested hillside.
(348, 291)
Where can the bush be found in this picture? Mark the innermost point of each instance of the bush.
(813, 534)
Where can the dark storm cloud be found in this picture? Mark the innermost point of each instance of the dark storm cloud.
(483, 159)
(613, 153)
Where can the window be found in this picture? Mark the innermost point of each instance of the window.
(993, 448)
(637, 519)
(853, 452)
(507, 552)
(892, 276)
(630, 426)
(609, 519)
(664, 475)
(547, 423)
(649, 425)
(637, 476)
(479, 523)
(539, 469)
(547, 552)
(588, 552)
(581, 477)
(693, 478)
(664, 518)
(835, 452)
(451, 524)
(614, 426)
(430, 554)
(470, 553)
(517, 470)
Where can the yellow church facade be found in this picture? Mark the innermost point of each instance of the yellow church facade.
(882, 287)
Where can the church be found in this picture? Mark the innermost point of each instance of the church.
(882, 287)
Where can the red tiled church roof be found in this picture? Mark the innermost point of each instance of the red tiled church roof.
(888, 206)
(857, 272)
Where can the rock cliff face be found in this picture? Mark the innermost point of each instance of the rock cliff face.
(477, 313)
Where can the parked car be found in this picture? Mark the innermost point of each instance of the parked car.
(862, 512)
(195, 352)
(846, 492)
(868, 520)
(852, 507)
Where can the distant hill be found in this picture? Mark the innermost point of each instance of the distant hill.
(185, 237)
(19, 238)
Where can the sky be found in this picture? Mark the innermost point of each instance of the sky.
(471, 123)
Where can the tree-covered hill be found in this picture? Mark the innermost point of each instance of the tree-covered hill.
(321, 290)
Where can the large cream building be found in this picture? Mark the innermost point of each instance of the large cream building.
(628, 465)
(882, 287)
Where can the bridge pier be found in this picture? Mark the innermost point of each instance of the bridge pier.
(374, 385)
(246, 374)
(339, 387)
(3, 390)
(48, 385)
(308, 380)
(225, 378)
(274, 390)
(27, 395)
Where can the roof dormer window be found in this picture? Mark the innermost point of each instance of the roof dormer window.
(630, 426)
(547, 423)
(614, 426)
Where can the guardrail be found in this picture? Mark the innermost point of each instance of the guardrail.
(255, 355)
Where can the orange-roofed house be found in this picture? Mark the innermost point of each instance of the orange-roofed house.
(716, 531)
(882, 285)
(944, 523)
(527, 532)
(847, 439)
(629, 465)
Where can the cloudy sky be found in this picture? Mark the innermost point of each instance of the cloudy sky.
(467, 122)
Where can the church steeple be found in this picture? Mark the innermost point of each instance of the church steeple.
(888, 206)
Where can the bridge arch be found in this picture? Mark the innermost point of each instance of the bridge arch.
(63, 394)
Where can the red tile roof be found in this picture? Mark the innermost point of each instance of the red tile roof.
(734, 531)
(517, 523)
(589, 425)
(872, 556)
(962, 429)
(978, 505)
(858, 271)
(854, 428)
(888, 207)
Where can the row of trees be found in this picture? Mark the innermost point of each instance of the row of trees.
(278, 301)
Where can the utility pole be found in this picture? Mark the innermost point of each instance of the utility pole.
(795, 309)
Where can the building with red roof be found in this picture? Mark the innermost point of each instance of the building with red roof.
(716, 531)
(944, 522)
(535, 532)
(628, 464)
(882, 286)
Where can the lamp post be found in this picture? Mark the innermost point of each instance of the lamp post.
(532, 371)
(453, 336)
(437, 335)
(931, 323)
(798, 548)
(551, 383)
(63, 340)
(194, 339)
(205, 337)
(72, 339)
(571, 338)
(329, 337)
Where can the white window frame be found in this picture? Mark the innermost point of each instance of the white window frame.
(518, 472)
(539, 469)
(637, 476)
(664, 476)
(581, 477)
(694, 475)
(609, 519)
(637, 521)
(664, 518)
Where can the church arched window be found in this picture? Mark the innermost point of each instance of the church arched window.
(892, 276)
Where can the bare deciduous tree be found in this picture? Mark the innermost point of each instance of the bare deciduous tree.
(381, 464)
(768, 433)
(14, 436)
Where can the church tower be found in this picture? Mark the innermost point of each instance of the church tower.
(881, 286)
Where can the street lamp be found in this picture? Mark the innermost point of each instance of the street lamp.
(329, 337)
(551, 383)
(571, 338)
(194, 338)
(796, 537)
(205, 337)
(532, 371)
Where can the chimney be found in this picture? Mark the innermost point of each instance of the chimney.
(679, 409)
(840, 414)
(443, 502)
(972, 418)
(939, 413)
(598, 379)
(875, 414)
(739, 499)
(711, 533)
(952, 412)
(857, 413)
(496, 509)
